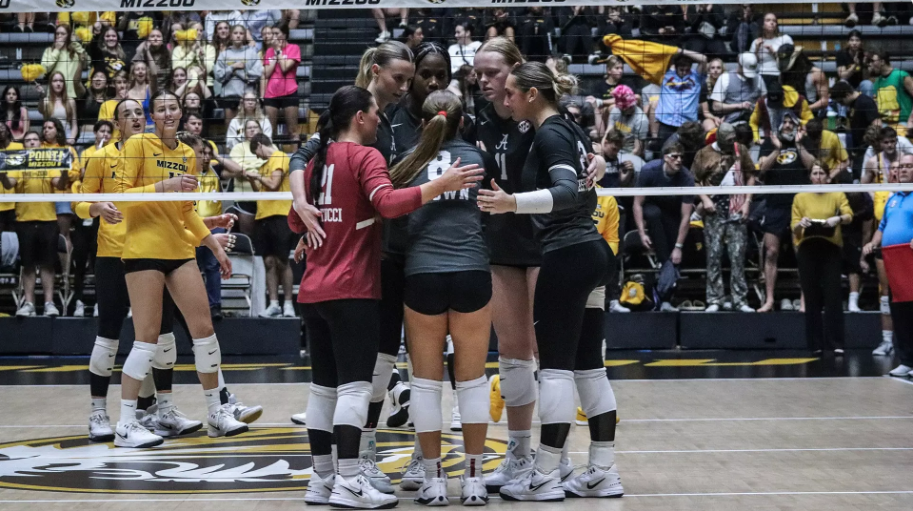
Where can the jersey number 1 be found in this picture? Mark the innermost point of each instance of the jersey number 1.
(326, 185)
(501, 158)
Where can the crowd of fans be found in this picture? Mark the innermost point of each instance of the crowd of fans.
(738, 103)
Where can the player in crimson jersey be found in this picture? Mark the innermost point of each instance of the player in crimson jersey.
(340, 290)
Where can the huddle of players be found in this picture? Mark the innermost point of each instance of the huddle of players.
(536, 271)
(146, 257)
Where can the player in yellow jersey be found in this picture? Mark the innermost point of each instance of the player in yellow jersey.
(157, 255)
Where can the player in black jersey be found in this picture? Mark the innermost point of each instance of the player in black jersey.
(556, 190)
(386, 71)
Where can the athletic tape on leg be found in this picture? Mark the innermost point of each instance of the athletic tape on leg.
(139, 361)
(321, 407)
(885, 305)
(474, 400)
(352, 404)
(556, 396)
(596, 300)
(518, 381)
(381, 377)
(425, 410)
(206, 354)
(166, 353)
(596, 394)
(101, 362)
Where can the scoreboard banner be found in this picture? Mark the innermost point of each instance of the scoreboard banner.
(221, 5)
(31, 160)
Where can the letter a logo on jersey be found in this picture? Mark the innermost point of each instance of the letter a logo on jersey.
(502, 146)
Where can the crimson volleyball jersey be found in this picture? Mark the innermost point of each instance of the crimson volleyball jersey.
(355, 188)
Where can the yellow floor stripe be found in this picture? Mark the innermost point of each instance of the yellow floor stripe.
(680, 363)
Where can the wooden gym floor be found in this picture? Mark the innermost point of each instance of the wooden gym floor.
(832, 442)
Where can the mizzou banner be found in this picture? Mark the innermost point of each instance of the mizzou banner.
(222, 5)
(36, 159)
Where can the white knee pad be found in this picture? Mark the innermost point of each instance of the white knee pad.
(352, 404)
(102, 360)
(206, 354)
(321, 407)
(474, 400)
(166, 353)
(139, 361)
(596, 300)
(518, 381)
(147, 389)
(381, 378)
(885, 305)
(425, 408)
(556, 396)
(596, 395)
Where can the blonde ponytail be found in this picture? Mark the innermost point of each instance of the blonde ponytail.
(442, 112)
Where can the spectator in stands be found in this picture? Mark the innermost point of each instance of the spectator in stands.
(863, 112)
(534, 33)
(183, 20)
(735, 93)
(155, 54)
(248, 109)
(601, 95)
(412, 36)
(380, 15)
(499, 22)
(465, 16)
(193, 51)
(692, 138)
(141, 87)
(15, 116)
(237, 69)
(769, 111)
(766, 46)
(221, 39)
(56, 104)
(36, 227)
(615, 20)
(213, 21)
(106, 53)
(464, 50)
(193, 104)
(432, 26)
(89, 107)
(704, 24)
(280, 67)
(103, 131)
(863, 213)
(851, 67)
(254, 21)
(241, 177)
(725, 163)
(663, 221)
(106, 112)
(680, 93)
(26, 22)
(816, 220)
(67, 57)
(893, 91)
(826, 147)
(663, 24)
(274, 237)
(576, 25)
(291, 17)
(621, 166)
(629, 120)
(714, 71)
(130, 25)
(784, 161)
(877, 167)
(879, 16)
(797, 71)
(743, 28)
(7, 209)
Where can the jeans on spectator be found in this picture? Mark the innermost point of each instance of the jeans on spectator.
(534, 40)
(665, 131)
(662, 228)
(209, 266)
(719, 231)
(867, 88)
(902, 315)
(820, 264)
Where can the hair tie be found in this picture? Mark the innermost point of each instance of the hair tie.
(442, 112)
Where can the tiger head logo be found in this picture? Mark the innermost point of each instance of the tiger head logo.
(65, 4)
(250, 3)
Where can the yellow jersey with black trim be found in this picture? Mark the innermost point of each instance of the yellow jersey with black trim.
(267, 208)
(35, 181)
(155, 230)
(101, 171)
(6, 206)
(209, 183)
(606, 217)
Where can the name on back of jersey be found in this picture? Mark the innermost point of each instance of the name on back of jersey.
(171, 165)
(331, 214)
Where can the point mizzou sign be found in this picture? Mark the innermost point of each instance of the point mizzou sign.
(14, 6)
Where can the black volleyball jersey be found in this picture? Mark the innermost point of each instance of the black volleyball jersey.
(385, 142)
(511, 238)
(556, 160)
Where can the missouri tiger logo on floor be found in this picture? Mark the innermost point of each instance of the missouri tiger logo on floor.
(265, 460)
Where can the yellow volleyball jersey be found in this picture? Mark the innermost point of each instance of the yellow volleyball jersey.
(268, 208)
(35, 181)
(101, 170)
(6, 206)
(155, 230)
(606, 217)
(209, 183)
(880, 199)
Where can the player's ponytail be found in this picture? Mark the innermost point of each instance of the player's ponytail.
(538, 75)
(442, 113)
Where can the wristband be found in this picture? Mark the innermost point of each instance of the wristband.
(679, 246)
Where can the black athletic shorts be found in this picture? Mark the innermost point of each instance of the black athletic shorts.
(274, 238)
(852, 250)
(165, 266)
(7, 219)
(249, 207)
(777, 220)
(283, 101)
(436, 293)
(38, 243)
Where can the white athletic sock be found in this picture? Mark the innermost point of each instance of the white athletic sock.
(213, 403)
(127, 411)
(417, 449)
(221, 379)
(274, 302)
(887, 336)
(323, 465)
(348, 467)
(368, 442)
(99, 403)
(854, 299)
(565, 450)
(602, 454)
(473, 467)
(432, 468)
(547, 459)
(165, 401)
(518, 443)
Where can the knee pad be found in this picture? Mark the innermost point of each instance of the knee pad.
(596, 395)
(425, 408)
(321, 407)
(885, 305)
(352, 404)
(165, 354)
(139, 361)
(556, 396)
(381, 377)
(474, 401)
(147, 389)
(101, 362)
(206, 354)
(596, 300)
(518, 381)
